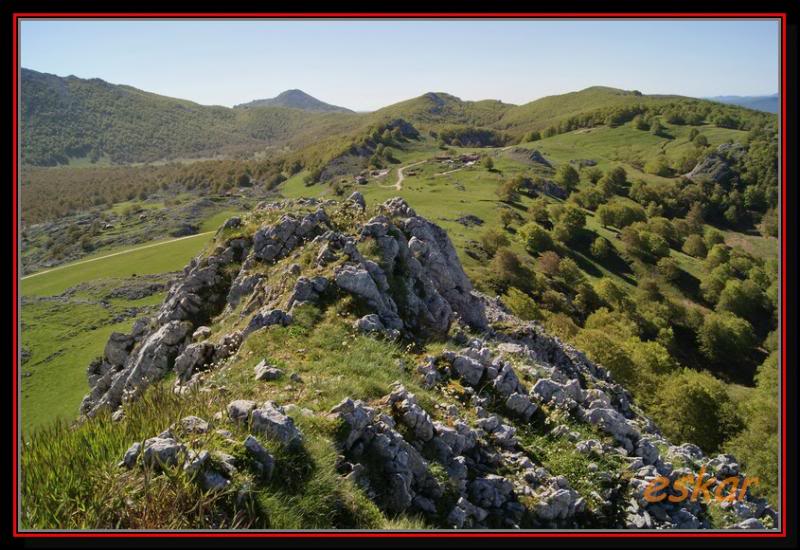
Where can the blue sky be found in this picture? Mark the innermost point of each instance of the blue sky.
(365, 65)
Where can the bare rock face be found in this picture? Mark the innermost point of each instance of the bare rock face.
(415, 286)
(417, 283)
(131, 362)
(718, 166)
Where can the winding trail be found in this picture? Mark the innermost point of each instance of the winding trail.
(114, 254)
(400, 176)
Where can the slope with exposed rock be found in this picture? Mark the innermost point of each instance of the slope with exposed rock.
(496, 424)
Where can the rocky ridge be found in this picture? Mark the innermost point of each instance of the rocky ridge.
(473, 466)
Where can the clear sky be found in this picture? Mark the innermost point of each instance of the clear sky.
(365, 65)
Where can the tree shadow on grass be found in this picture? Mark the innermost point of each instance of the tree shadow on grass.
(613, 262)
(689, 285)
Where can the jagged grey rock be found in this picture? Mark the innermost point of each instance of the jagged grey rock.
(264, 371)
(271, 420)
(161, 451)
(239, 410)
(264, 461)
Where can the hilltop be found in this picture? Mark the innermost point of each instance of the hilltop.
(69, 120)
(295, 99)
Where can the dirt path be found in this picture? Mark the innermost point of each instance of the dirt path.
(449, 171)
(400, 176)
(114, 254)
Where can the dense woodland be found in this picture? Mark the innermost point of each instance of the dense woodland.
(679, 339)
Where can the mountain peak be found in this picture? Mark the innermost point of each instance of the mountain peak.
(296, 99)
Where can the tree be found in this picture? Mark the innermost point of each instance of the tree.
(488, 163)
(695, 218)
(567, 177)
(532, 136)
(732, 214)
(594, 174)
(600, 248)
(758, 444)
(492, 239)
(658, 166)
(508, 191)
(694, 246)
(536, 238)
(605, 215)
(700, 140)
(695, 407)
(569, 273)
(507, 217)
(714, 282)
(609, 353)
(590, 199)
(669, 269)
(640, 123)
(618, 176)
(548, 263)
(537, 211)
(726, 339)
(569, 225)
(656, 128)
(719, 254)
(742, 298)
(522, 305)
(713, 237)
(508, 271)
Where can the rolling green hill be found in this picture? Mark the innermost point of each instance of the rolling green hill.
(63, 119)
(69, 120)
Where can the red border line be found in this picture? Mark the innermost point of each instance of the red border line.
(16, 274)
(402, 15)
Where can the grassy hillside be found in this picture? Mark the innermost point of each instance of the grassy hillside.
(441, 108)
(69, 312)
(72, 118)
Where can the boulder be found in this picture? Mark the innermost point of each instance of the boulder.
(239, 410)
(271, 420)
(263, 460)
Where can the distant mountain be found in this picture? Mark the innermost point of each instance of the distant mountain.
(296, 99)
(766, 103)
(69, 119)
(66, 118)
